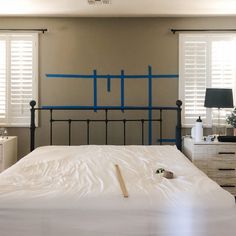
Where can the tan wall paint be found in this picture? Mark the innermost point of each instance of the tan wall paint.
(79, 45)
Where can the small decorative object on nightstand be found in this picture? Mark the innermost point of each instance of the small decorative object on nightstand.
(216, 159)
(8, 151)
(231, 120)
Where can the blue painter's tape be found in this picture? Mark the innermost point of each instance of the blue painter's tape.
(150, 105)
(69, 76)
(122, 78)
(122, 90)
(168, 76)
(165, 76)
(95, 90)
(75, 76)
(108, 83)
(167, 140)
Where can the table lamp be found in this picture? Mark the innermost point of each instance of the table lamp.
(218, 98)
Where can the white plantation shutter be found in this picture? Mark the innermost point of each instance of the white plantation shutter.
(205, 61)
(222, 68)
(18, 72)
(193, 74)
(3, 79)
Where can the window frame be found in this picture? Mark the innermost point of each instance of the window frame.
(12, 121)
(209, 37)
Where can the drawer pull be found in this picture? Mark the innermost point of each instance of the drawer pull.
(225, 169)
(220, 153)
(227, 186)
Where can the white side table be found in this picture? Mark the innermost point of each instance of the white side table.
(8, 152)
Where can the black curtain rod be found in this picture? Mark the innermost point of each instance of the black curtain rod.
(199, 30)
(40, 30)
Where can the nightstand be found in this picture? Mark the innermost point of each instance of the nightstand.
(8, 152)
(216, 159)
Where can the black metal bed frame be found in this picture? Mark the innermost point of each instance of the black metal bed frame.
(177, 108)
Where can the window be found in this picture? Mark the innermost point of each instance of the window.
(205, 61)
(18, 77)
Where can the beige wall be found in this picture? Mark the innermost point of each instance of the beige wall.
(79, 45)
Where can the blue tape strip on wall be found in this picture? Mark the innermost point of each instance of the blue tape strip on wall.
(122, 78)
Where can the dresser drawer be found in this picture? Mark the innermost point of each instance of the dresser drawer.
(222, 173)
(1, 158)
(200, 152)
(1, 154)
(232, 190)
(223, 182)
(202, 165)
(208, 152)
(222, 151)
(217, 168)
(217, 164)
(221, 169)
(228, 184)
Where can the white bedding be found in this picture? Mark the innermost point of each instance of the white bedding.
(61, 190)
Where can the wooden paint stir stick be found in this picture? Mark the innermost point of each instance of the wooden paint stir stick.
(121, 181)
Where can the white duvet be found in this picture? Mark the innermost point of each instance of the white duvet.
(60, 190)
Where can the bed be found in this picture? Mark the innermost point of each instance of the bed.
(74, 190)
(62, 190)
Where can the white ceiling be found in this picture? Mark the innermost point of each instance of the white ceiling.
(118, 8)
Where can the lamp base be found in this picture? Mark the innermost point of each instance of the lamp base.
(219, 123)
(219, 130)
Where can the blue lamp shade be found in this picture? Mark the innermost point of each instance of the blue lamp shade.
(219, 98)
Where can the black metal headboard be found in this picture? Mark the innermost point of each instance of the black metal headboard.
(106, 109)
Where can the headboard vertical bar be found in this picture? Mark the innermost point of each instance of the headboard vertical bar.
(142, 122)
(88, 122)
(69, 123)
(95, 90)
(149, 105)
(32, 125)
(106, 123)
(178, 126)
(161, 127)
(124, 123)
(51, 120)
(122, 90)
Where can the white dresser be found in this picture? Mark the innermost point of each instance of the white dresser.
(8, 152)
(216, 159)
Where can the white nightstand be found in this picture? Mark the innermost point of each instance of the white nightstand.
(8, 152)
(216, 159)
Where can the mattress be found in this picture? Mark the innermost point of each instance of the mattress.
(62, 190)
